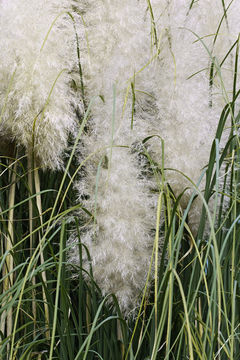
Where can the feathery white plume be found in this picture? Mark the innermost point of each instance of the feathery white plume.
(37, 55)
(189, 108)
(120, 240)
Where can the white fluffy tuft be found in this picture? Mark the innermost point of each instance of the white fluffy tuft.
(120, 240)
(35, 74)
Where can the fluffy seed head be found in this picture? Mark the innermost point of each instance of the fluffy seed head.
(38, 53)
(120, 240)
(189, 103)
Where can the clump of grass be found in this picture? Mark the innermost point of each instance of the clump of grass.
(188, 311)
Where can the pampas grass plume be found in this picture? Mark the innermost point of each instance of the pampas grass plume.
(189, 109)
(120, 240)
(38, 54)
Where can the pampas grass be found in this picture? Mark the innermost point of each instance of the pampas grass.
(169, 82)
(113, 188)
(155, 270)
